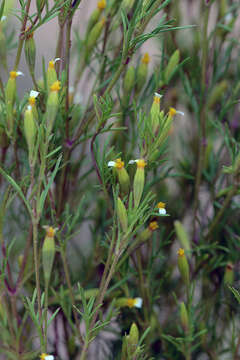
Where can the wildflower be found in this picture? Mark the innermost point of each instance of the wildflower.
(123, 176)
(52, 104)
(30, 131)
(101, 4)
(51, 73)
(155, 113)
(161, 208)
(93, 37)
(139, 178)
(44, 356)
(136, 302)
(30, 52)
(142, 73)
(153, 225)
(172, 112)
(145, 59)
(147, 233)
(32, 97)
(122, 215)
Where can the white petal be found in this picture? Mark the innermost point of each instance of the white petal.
(138, 302)
(158, 95)
(111, 163)
(162, 211)
(49, 357)
(34, 93)
(57, 59)
(3, 18)
(180, 113)
(29, 107)
(20, 73)
(132, 161)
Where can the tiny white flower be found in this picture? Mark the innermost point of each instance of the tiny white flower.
(158, 95)
(173, 112)
(138, 302)
(141, 163)
(118, 163)
(44, 356)
(19, 73)
(34, 94)
(3, 18)
(161, 208)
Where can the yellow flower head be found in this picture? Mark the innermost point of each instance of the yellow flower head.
(32, 97)
(172, 112)
(13, 74)
(50, 231)
(56, 86)
(136, 302)
(101, 4)
(180, 252)
(145, 58)
(157, 98)
(153, 225)
(51, 63)
(141, 163)
(118, 164)
(161, 205)
(44, 356)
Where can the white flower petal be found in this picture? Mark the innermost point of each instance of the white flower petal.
(20, 73)
(57, 59)
(34, 93)
(162, 211)
(180, 113)
(111, 163)
(138, 302)
(3, 18)
(132, 161)
(158, 95)
(29, 107)
(49, 357)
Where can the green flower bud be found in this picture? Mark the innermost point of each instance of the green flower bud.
(184, 317)
(48, 253)
(128, 81)
(95, 16)
(142, 73)
(155, 114)
(122, 215)
(229, 274)
(30, 131)
(93, 37)
(30, 52)
(10, 97)
(51, 73)
(52, 105)
(147, 233)
(133, 337)
(122, 174)
(139, 179)
(182, 235)
(183, 267)
(171, 66)
(217, 93)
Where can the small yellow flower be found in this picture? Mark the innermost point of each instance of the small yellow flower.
(136, 302)
(56, 86)
(157, 98)
(180, 252)
(32, 97)
(145, 58)
(44, 356)
(161, 207)
(51, 64)
(50, 231)
(141, 163)
(118, 164)
(153, 225)
(172, 112)
(101, 4)
(13, 74)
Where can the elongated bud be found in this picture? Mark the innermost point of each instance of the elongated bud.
(52, 105)
(133, 338)
(10, 97)
(95, 15)
(147, 233)
(48, 252)
(30, 131)
(171, 66)
(184, 317)
(229, 274)
(129, 302)
(128, 81)
(183, 266)
(142, 73)
(182, 235)
(155, 113)
(93, 37)
(217, 93)
(139, 179)
(122, 215)
(30, 52)
(51, 73)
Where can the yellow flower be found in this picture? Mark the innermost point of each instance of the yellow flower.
(44, 356)
(136, 302)
(145, 58)
(50, 231)
(101, 4)
(153, 225)
(161, 208)
(13, 74)
(32, 97)
(118, 164)
(172, 112)
(180, 252)
(141, 163)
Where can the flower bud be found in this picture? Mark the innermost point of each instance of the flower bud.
(133, 338)
(229, 274)
(30, 131)
(155, 113)
(10, 97)
(182, 235)
(122, 174)
(30, 52)
(95, 16)
(183, 266)
(48, 252)
(184, 317)
(147, 233)
(142, 73)
(51, 73)
(128, 81)
(171, 66)
(122, 215)
(93, 37)
(139, 179)
(52, 105)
